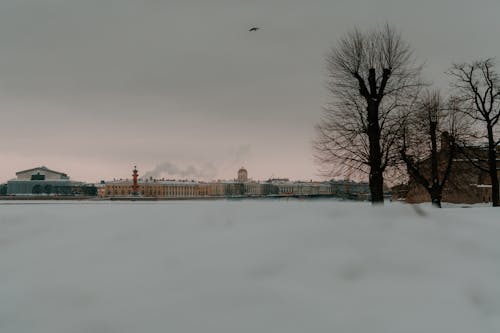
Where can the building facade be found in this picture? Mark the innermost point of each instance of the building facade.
(242, 186)
(42, 181)
(157, 189)
(466, 184)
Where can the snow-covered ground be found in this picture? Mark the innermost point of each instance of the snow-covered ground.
(250, 266)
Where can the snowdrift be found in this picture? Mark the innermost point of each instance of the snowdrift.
(249, 266)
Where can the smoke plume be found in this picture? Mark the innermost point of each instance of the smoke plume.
(170, 170)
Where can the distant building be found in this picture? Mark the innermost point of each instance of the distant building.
(399, 192)
(242, 186)
(101, 189)
(242, 175)
(157, 188)
(41, 173)
(44, 181)
(348, 189)
(466, 183)
(253, 189)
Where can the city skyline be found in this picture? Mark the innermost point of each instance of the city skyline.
(93, 88)
(191, 174)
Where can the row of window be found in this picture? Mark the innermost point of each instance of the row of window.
(198, 191)
(175, 191)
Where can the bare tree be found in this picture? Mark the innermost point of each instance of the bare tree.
(429, 137)
(478, 89)
(371, 76)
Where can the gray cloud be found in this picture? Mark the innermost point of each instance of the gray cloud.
(240, 154)
(121, 82)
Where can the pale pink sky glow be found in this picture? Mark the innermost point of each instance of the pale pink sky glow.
(92, 88)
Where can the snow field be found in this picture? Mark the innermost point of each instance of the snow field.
(248, 266)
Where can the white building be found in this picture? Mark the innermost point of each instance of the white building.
(40, 173)
(44, 181)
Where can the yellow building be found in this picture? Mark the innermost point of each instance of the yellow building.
(158, 189)
(240, 187)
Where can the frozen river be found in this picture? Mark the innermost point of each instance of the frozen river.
(249, 266)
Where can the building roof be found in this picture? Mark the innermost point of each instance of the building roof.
(157, 182)
(42, 168)
(67, 180)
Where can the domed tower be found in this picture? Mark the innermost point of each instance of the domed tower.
(242, 175)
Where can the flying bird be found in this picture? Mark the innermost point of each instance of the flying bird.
(253, 29)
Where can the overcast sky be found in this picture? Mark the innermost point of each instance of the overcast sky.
(94, 87)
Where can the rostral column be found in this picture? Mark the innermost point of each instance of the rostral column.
(135, 187)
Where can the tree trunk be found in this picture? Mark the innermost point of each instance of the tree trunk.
(376, 187)
(492, 167)
(376, 174)
(495, 197)
(434, 154)
(435, 197)
(435, 190)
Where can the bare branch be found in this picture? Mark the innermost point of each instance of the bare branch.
(477, 86)
(372, 78)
